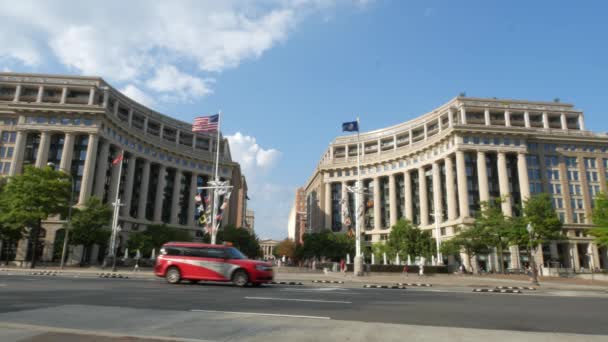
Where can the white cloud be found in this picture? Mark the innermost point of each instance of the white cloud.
(139, 41)
(253, 158)
(137, 95)
(183, 86)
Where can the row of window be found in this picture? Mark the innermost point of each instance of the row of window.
(5, 167)
(6, 152)
(491, 141)
(550, 147)
(46, 120)
(9, 137)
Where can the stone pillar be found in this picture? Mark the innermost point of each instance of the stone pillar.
(328, 206)
(486, 116)
(145, 125)
(545, 120)
(175, 208)
(177, 134)
(482, 177)
(17, 93)
(595, 255)
(507, 118)
(344, 197)
(463, 116)
(424, 201)
(450, 117)
(407, 183)
(88, 172)
(160, 193)
(425, 131)
(43, 149)
(115, 109)
(128, 190)
(563, 120)
(527, 119)
(67, 153)
(522, 173)
(17, 162)
(102, 167)
(64, 95)
(143, 191)
(193, 142)
(392, 197)
(437, 194)
(40, 94)
(106, 97)
(463, 191)
(91, 96)
(191, 204)
(503, 184)
(587, 200)
(515, 260)
(554, 251)
(449, 188)
(130, 117)
(377, 221)
(581, 122)
(411, 136)
(574, 260)
(439, 126)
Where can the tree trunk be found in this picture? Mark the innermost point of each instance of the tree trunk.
(35, 243)
(10, 243)
(501, 262)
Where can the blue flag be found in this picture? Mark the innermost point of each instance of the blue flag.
(352, 126)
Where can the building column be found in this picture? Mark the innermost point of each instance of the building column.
(143, 191)
(40, 94)
(177, 137)
(463, 116)
(545, 120)
(145, 125)
(563, 121)
(328, 206)
(67, 153)
(437, 194)
(175, 207)
(102, 168)
(449, 188)
(43, 149)
(424, 200)
(587, 199)
(527, 119)
(522, 173)
(64, 95)
(392, 197)
(482, 177)
(426, 135)
(507, 118)
(463, 191)
(486, 116)
(17, 93)
(450, 117)
(344, 197)
(574, 260)
(581, 122)
(17, 162)
(595, 255)
(88, 172)
(554, 251)
(407, 190)
(91, 96)
(128, 190)
(191, 204)
(130, 117)
(377, 221)
(503, 184)
(160, 193)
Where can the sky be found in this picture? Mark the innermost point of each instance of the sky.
(287, 73)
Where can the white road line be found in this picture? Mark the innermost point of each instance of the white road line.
(262, 314)
(2, 285)
(300, 300)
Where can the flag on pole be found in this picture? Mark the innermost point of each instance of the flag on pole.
(206, 123)
(352, 126)
(118, 159)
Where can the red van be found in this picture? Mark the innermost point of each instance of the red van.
(198, 261)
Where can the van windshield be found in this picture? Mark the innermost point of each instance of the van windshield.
(234, 253)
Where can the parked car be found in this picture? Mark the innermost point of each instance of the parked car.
(204, 262)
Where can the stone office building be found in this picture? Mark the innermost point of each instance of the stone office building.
(81, 124)
(441, 165)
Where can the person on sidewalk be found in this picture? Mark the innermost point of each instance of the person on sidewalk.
(405, 270)
(342, 265)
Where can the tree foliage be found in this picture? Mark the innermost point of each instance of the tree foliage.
(285, 248)
(327, 244)
(600, 219)
(91, 224)
(473, 241)
(497, 229)
(539, 212)
(407, 239)
(242, 239)
(155, 236)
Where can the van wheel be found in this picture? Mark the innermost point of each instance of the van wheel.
(173, 275)
(240, 278)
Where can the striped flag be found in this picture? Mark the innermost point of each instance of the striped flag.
(206, 123)
(118, 159)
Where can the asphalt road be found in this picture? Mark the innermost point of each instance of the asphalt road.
(529, 312)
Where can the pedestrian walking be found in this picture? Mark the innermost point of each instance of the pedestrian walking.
(405, 270)
(342, 266)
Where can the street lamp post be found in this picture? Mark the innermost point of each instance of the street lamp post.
(69, 222)
(530, 230)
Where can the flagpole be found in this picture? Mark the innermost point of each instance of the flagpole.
(215, 192)
(116, 212)
(358, 262)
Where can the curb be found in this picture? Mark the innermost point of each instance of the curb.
(328, 281)
(374, 286)
(515, 288)
(45, 273)
(112, 275)
(285, 283)
(496, 291)
(414, 284)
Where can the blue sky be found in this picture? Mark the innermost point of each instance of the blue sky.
(287, 73)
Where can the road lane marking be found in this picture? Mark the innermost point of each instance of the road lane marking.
(2, 285)
(261, 314)
(300, 300)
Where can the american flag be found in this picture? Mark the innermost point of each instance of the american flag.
(206, 123)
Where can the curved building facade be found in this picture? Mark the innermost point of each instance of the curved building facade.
(441, 165)
(81, 124)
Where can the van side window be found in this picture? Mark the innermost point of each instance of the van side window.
(217, 253)
(174, 251)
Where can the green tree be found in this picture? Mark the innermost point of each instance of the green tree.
(9, 231)
(240, 238)
(473, 241)
(407, 239)
(90, 225)
(538, 211)
(600, 219)
(327, 244)
(31, 197)
(155, 236)
(496, 227)
(285, 248)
